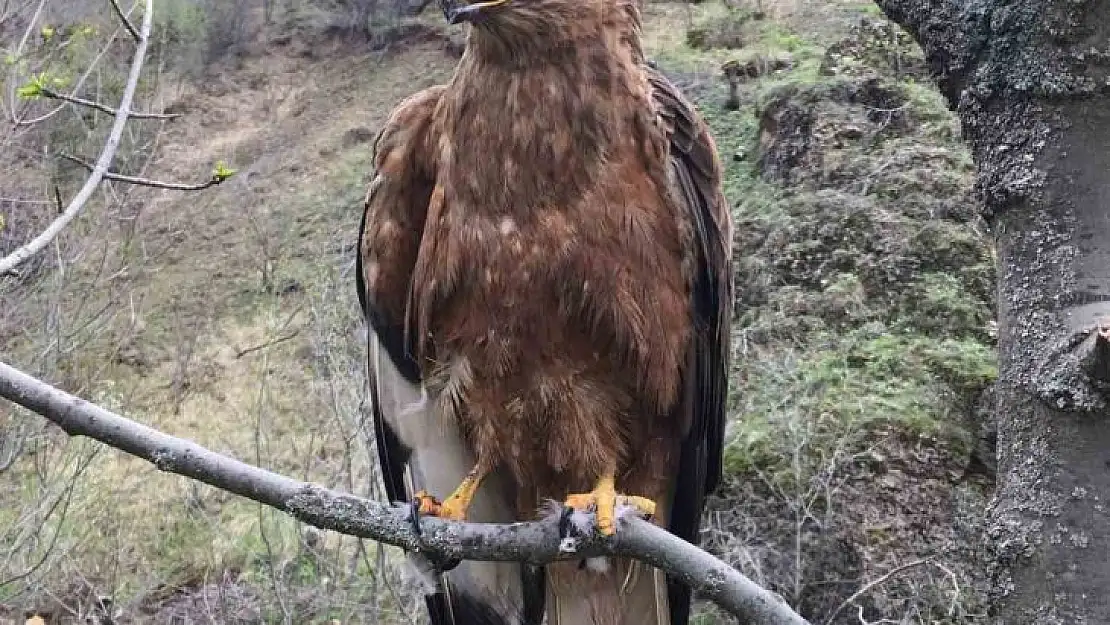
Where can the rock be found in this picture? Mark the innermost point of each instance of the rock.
(785, 138)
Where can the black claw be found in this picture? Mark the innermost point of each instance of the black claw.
(415, 506)
(565, 525)
(440, 565)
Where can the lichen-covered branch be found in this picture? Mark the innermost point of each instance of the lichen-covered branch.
(36, 245)
(535, 542)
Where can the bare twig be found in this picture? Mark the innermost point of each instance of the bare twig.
(16, 200)
(955, 587)
(50, 93)
(126, 22)
(148, 182)
(239, 353)
(78, 202)
(20, 122)
(873, 583)
(535, 542)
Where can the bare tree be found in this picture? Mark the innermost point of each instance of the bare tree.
(1030, 80)
(100, 170)
(36, 245)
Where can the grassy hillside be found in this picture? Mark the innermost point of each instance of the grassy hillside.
(228, 316)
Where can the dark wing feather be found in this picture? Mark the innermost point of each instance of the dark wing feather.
(392, 455)
(696, 172)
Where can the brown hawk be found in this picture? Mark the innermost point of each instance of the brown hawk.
(545, 265)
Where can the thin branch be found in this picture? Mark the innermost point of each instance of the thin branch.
(536, 542)
(72, 99)
(16, 200)
(239, 353)
(78, 202)
(126, 22)
(80, 83)
(873, 583)
(147, 182)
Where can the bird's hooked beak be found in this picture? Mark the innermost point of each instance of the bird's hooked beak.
(462, 11)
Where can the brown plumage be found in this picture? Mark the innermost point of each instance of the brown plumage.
(545, 264)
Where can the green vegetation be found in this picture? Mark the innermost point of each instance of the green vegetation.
(864, 304)
(864, 288)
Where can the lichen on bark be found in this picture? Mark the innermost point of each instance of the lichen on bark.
(1029, 80)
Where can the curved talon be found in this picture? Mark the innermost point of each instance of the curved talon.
(428, 505)
(643, 505)
(424, 504)
(565, 526)
(414, 506)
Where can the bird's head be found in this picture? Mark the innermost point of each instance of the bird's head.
(545, 19)
(459, 11)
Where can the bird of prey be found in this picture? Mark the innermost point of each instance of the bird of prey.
(545, 266)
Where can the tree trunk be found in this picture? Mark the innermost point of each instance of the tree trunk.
(1030, 81)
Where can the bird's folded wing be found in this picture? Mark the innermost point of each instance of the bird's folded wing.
(696, 181)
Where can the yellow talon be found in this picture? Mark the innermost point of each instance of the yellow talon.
(604, 499)
(457, 503)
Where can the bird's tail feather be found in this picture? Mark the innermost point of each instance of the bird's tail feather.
(618, 591)
(479, 593)
(462, 608)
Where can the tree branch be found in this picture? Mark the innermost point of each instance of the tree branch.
(536, 542)
(80, 82)
(36, 245)
(147, 182)
(126, 22)
(50, 93)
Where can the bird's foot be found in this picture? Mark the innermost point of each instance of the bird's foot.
(453, 509)
(604, 500)
(455, 506)
(424, 504)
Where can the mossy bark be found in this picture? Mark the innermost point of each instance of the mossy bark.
(1030, 80)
